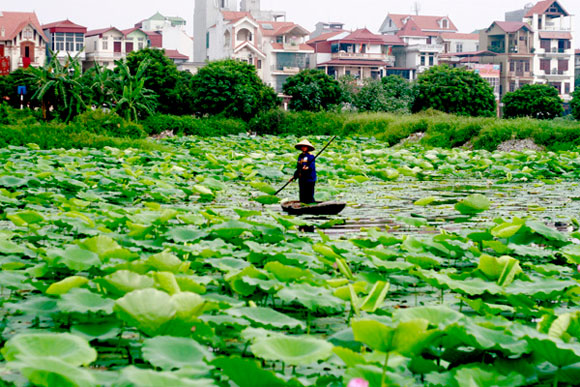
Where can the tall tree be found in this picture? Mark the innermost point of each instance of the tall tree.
(231, 88)
(454, 90)
(313, 90)
(389, 94)
(536, 101)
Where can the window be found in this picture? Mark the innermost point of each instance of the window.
(545, 65)
(527, 66)
(70, 42)
(1, 50)
(459, 47)
(512, 66)
(27, 34)
(431, 59)
(79, 42)
(95, 45)
(259, 65)
(105, 44)
(422, 60)
(545, 44)
(59, 41)
(140, 43)
(562, 66)
(444, 23)
(566, 88)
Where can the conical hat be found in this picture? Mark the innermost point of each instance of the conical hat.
(304, 142)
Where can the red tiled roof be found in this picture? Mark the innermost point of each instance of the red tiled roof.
(458, 36)
(354, 62)
(64, 24)
(301, 47)
(555, 35)
(411, 29)
(174, 54)
(235, 16)
(280, 28)
(542, 6)
(423, 21)
(101, 31)
(14, 22)
(511, 26)
(363, 35)
(392, 40)
(325, 36)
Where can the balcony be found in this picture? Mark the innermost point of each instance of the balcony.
(428, 47)
(556, 51)
(285, 70)
(359, 55)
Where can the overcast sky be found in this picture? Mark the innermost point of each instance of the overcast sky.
(467, 15)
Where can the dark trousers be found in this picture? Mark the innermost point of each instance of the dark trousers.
(306, 191)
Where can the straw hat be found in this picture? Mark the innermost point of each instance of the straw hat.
(306, 143)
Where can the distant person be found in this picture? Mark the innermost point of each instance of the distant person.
(306, 171)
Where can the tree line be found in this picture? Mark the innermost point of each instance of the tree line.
(148, 83)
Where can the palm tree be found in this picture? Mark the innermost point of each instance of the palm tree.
(134, 99)
(60, 87)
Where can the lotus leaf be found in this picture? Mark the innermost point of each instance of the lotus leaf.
(169, 353)
(473, 204)
(148, 310)
(292, 350)
(133, 376)
(68, 348)
(64, 286)
(247, 372)
(83, 301)
(125, 281)
(52, 371)
(266, 317)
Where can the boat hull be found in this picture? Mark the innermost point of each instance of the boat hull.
(318, 208)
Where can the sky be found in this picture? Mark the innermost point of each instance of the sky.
(467, 15)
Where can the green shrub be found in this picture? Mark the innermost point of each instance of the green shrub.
(191, 126)
(11, 116)
(107, 124)
(303, 123)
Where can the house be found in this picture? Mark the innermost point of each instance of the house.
(22, 41)
(360, 53)
(420, 34)
(284, 44)
(577, 67)
(552, 46)
(322, 28)
(456, 42)
(171, 34)
(105, 46)
(512, 42)
(65, 39)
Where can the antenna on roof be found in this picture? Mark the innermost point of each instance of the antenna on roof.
(417, 8)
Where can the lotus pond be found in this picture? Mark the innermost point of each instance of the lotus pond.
(177, 268)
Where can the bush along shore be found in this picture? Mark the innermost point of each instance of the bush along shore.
(98, 129)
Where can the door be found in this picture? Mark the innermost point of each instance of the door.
(117, 47)
(128, 47)
(27, 53)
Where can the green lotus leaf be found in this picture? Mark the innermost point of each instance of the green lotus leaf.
(313, 298)
(166, 281)
(292, 350)
(203, 190)
(78, 259)
(68, 348)
(425, 201)
(484, 338)
(83, 301)
(133, 376)
(64, 286)
(554, 351)
(439, 316)
(376, 297)
(52, 371)
(267, 199)
(478, 376)
(185, 234)
(266, 317)
(473, 204)
(34, 305)
(12, 181)
(503, 269)
(547, 232)
(147, 310)
(247, 372)
(566, 327)
(101, 245)
(506, 230)
(122, 282)
(167, 352)
(374, 334)
(188, 306)
(349, 357)
(25, 218)
(104, 330)
(231, 229)
(9, 247)
(264, 187)
(188, 284)
(164, 261)
(286, 273)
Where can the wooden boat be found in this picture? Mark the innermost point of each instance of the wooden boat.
(319, 208)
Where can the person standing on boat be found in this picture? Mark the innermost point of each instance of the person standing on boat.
(306, 171)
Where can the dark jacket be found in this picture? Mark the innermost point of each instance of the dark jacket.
(306, 168)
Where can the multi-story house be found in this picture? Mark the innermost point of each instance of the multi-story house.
(284, 44)
(458, 43)
(512, 42)
(322, 28)
(172, 32)
(420, 34)
(22, 41)
(65, 39)
(360, 53)
(577, 67)
(105, 46)
(552, 42)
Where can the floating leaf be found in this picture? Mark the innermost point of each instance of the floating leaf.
(169, 353)
(473, 204)
(292, 350)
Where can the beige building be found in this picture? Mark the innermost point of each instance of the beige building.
(22, 41)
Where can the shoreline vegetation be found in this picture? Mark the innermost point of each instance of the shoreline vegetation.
(98, 129)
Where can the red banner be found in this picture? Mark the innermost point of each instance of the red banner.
(4, 65)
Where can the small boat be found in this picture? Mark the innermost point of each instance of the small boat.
(295, 207)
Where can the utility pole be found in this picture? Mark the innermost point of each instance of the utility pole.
(417, 8)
